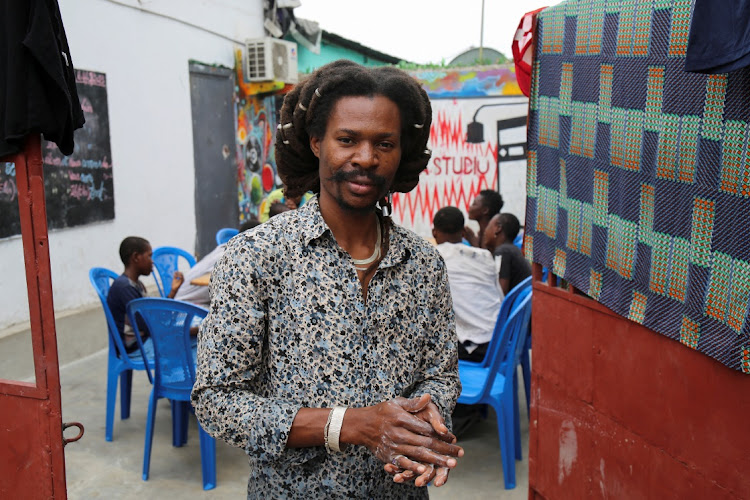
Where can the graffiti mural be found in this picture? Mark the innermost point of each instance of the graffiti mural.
(458, 170)
(256, 173)
(462, 82)
(257, 115)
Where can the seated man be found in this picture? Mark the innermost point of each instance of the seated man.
(513, 266)
(485, 206)
(198, 294)
(135, 254)
(473, 283)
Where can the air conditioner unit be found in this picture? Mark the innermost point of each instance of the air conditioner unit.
(269, 59)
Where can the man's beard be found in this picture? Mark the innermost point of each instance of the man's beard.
(339, 177)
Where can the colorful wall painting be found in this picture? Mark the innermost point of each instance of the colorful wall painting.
(458, 170)
(488, 81)
(257, 116)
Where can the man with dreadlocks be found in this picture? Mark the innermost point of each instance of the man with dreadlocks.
(329, 353)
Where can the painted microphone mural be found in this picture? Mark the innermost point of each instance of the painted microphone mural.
(459, 169)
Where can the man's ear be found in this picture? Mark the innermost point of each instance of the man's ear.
(315, 146)
(133, 258)
(434, 233)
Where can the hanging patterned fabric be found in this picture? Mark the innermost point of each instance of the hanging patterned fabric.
(639, 174)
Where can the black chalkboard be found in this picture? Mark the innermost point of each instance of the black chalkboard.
(79, 187)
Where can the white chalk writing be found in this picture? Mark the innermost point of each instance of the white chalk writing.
(79, 191)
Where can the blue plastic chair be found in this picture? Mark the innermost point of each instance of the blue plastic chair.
(119, 365)
(168, 322)
(225, 234)
(525, 359)
(506, 307)
(166, 262)
(495, 384)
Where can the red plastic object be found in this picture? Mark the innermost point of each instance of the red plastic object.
(523, 49)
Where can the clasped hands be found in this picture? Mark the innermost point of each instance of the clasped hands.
(414, 442)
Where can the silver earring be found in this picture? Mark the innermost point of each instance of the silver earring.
(386, 207)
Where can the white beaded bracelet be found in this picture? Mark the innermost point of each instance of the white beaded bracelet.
(332, 430)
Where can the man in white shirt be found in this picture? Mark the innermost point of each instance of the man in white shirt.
(473, 282)
(198, 294)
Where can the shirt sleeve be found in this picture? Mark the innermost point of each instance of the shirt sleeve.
(439, 369)
(230, 362)
(506, 263)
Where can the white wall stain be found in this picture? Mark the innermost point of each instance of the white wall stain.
(568, 450)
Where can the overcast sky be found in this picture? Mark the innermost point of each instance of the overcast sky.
(421, 31)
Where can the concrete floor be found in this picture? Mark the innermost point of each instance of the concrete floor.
(112, 470)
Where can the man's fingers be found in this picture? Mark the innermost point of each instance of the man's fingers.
(432, 443)
(403, 476)
(436, 421)
(414, 405)
(428, 456)
(426, 477)
(417, 425)
(408, 475)
(441, 476)
(408, 465)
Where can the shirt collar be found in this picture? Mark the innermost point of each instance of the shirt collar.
(314, 226)
(312, 223)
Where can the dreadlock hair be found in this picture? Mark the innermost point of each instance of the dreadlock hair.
(308, 106)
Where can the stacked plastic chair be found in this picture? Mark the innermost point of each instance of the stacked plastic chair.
(494, 381)
(119, 365)
(166, 262)
(168, 322)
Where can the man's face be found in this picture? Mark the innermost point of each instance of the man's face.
(491, 237)
(359, 153)
(477, 208)
(143, 261)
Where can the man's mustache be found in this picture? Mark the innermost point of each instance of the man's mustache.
(345, 176)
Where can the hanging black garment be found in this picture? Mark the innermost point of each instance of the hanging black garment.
(37, 80)
(719, 40)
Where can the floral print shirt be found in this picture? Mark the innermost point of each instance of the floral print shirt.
(288, 328)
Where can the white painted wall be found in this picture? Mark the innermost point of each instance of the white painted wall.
(143, 48)
(458, 170)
